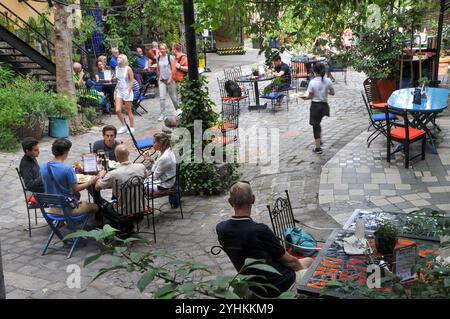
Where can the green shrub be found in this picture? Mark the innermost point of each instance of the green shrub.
(27, 98)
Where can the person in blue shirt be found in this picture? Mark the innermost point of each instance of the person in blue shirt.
(60, 179)
(141, 63)
(113, 62)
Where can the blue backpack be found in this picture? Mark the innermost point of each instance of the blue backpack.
(297, 236)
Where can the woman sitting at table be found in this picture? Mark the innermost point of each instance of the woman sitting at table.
(100, 74)
(164, 168)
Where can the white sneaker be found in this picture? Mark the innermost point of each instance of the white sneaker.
(161, 118)
(178, 112)
(132, 129)
(121, 130)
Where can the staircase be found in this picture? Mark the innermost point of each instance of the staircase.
(24, 59)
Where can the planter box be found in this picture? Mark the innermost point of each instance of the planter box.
(36, 131)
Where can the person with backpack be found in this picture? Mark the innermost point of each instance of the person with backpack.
(165, 66)
(181, 66)
(318, 90)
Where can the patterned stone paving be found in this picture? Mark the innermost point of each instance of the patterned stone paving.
(30, 275)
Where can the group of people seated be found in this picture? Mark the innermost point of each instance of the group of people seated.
(57, 177)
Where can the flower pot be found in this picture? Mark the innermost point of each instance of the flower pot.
(256, 43)
(36, 131)
(385, 245)
(58, 127)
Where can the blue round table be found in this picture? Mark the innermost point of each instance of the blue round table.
(435, 102)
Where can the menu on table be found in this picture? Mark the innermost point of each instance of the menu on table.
(90, 163)
(107, 74)
(404, 261)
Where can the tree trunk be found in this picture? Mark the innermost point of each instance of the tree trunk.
(63, 51)
(191, 45)
(182, 32)
(2, 280)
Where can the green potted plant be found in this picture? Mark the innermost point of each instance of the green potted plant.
(255, 71)
(386, 238)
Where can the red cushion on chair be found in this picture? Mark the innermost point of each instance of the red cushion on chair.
(400, 133)
(229, 98)
(223, 127)
(31, 200)
(381, 105)
(222, 140)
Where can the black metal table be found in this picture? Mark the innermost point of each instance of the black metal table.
(255, 80)
(108, 88)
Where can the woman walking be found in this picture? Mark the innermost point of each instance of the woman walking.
(166, 83)
(318, 90)
(124, 92)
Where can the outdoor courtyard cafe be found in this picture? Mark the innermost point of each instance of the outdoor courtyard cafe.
(237, 150)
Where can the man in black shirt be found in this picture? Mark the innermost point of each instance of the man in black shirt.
(243, 238)
(284, 71)
(29, 167)
(108, 143)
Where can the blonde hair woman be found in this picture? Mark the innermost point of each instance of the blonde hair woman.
(124, 90)
(165, 167)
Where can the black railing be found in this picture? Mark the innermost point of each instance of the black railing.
(45, 38)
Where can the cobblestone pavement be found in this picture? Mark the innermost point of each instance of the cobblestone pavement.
(360, 177)
(30, 275)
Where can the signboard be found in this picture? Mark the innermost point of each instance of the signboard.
(404, 260)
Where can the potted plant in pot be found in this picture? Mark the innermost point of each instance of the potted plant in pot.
(386, 238)
(255, 72)
(61, 110)
(377, 56)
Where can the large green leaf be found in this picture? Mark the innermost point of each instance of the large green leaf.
(166, 292)
(251, 261)
(146, 279)
(91, 259)
(188, 289)
(264, 267)
(117, 261)
(106, 270)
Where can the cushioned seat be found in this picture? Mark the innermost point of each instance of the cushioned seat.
(382, 117)
(272, 95)
(229, 98)
(380, 105)
(144, 143)
(400, 133)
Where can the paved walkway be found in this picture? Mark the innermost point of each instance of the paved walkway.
(30, 275)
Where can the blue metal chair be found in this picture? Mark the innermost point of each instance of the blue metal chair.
(275, 98)
(56, 220)
(141, 145)
(377, 121)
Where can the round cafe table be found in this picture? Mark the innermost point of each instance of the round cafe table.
(108, 88)
(255, 80)
(424, 113)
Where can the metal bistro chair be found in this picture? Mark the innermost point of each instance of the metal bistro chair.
(141, 145)
(225, 99)
(404, 134)
(57, 220)
(373, 94)
(132, 204)
(137, 102)
(377, 121)
(174, 191)
(234, 74)
(282, 216)
(29, 201)
(227, 131)
(299, 74)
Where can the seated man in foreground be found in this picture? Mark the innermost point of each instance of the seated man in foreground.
(29, 167)
(243, 238)
(123, 172)
(109, 143)
(60, 179)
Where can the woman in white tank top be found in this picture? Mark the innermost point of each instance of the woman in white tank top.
(124, 92)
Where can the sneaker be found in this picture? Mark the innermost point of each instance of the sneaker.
(178, 112)
(121, 130)
(161, 118)
(132, 129)
(317, 150)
